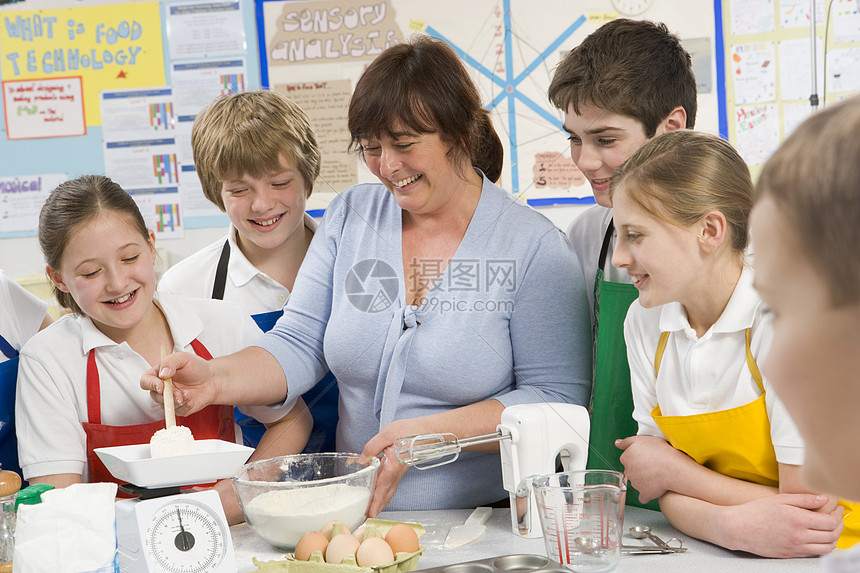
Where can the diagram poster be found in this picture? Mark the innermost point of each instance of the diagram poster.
(113, 46)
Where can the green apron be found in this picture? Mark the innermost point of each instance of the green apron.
(612, 398)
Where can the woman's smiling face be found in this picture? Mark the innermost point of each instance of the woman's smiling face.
(415, 168)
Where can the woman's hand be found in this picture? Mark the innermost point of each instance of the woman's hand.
(391, 471)
(193, 383)
(650, 463)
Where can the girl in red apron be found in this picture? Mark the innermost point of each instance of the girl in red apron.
(714, 444)
(78, 387)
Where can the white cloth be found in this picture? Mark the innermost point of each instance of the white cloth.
(52, 402)
(253, 290)
(586, 234)
(73, 526)
(707, 374)
(21, 313)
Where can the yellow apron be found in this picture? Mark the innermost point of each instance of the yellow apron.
(736, 442)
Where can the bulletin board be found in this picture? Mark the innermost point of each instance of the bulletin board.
(768, 67)
(315, 51)
(112, 87)
(120, 82)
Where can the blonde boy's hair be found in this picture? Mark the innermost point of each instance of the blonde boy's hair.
(814, 180)
(248, 133)
(681, 175)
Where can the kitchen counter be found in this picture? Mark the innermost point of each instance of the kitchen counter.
(499, 539)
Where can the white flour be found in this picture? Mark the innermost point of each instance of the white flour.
(282, 517)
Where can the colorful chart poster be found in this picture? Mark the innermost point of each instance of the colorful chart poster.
(205, 30)
(142, 164)
(111, 46)
(44, 108)
(137, 114)
(161, 211)
(195, 84)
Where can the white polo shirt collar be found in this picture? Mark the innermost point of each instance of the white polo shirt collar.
(185, 325)
(738, 315)
(240, 269)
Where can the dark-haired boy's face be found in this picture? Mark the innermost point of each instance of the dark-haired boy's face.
(600, 142)
(814, 358)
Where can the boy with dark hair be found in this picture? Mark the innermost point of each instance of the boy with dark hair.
(625, 83)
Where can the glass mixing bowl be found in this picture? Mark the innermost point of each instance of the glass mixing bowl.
(285, 497)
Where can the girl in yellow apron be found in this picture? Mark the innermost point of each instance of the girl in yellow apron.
(714, 444)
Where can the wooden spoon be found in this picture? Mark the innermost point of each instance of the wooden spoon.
(169, 406)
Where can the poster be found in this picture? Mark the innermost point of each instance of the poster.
(160, 210)
(754, 72)
(795, 69)
(21, 200)
(205, 29)
(195, 84)
(142, 164)
(843, 70)
(326, 104)
(751, 16)
(109, 47)
(314, 32)
(795, 13)
(757, 129)
(44, 108)
(137, 114)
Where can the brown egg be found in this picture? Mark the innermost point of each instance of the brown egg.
(327, 528)
(402, 539)
(374, 551)
(340, 546)
(310, 542)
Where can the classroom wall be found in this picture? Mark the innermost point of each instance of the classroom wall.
(535, 22)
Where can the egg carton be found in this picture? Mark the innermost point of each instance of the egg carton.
(518, 563)
(403, 562)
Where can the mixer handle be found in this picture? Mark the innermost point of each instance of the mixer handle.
(425, 451)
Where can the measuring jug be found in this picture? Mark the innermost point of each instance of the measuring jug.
(582, 516)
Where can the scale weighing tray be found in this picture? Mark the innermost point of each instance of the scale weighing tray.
(214, 460)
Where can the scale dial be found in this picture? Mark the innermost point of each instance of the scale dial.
(186, 537)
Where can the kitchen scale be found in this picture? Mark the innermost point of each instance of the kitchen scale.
(163, 529)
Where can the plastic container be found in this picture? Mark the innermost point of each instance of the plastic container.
(10, 483)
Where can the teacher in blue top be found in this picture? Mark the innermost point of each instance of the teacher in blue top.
(435, 297)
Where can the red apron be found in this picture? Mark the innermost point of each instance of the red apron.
(212, 422)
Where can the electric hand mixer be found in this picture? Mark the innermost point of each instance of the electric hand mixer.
(531, 436)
